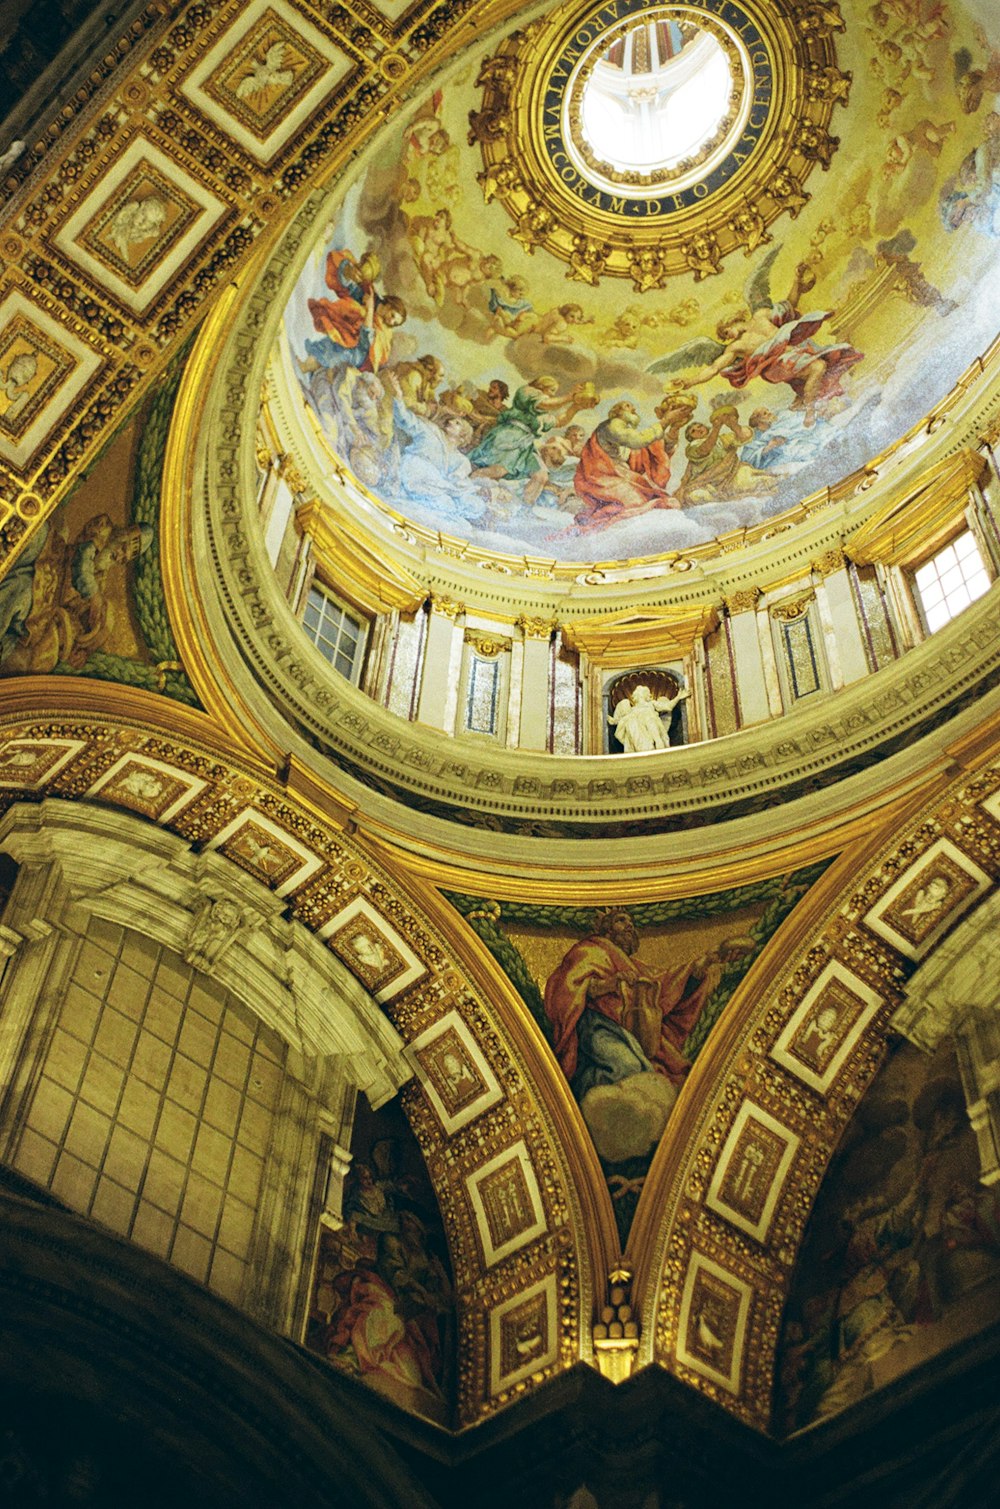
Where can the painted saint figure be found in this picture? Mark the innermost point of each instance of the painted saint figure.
(355, 329)
(613, 1015)
(624, 470)
(510, 448)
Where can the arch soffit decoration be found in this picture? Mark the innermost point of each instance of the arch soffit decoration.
(294, 861)
(82, 748)
(758, 1077)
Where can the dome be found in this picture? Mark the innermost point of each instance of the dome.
(793, 290)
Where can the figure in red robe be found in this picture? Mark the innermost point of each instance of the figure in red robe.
(612, 1015)
(624, 470)
(355, 328)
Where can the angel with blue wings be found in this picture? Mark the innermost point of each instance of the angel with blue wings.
(770, 340)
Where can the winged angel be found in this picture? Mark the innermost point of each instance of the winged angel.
(769, 340)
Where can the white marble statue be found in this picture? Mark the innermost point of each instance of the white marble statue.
(637, 720)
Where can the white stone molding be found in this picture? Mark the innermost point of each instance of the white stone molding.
(123, 870)
(956, 994)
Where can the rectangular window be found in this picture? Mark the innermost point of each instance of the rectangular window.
(338, 634)
(950, 581)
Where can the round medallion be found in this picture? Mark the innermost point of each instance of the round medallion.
(647, 140)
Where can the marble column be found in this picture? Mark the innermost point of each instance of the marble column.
(534, 732)
(442, 666)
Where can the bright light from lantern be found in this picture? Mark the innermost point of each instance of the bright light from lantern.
(656, 96)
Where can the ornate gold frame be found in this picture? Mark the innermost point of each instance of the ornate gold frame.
(529, 167)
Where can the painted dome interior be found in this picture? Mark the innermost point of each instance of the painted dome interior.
(464, 400)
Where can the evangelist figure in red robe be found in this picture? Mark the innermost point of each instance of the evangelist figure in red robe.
(612, 1015)
(355, 328)
(624, 470)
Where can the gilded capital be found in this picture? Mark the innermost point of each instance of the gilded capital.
(487, 644)
(446, 607)
(742, 601)
(536, 628)
(830, 561)
(791, 608)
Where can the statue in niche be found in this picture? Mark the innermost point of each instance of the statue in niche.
(637, 719)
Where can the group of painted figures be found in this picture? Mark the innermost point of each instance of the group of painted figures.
(475, 456)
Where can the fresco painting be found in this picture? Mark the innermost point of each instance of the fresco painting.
(382, 1304)
(491, 393)
(902, 1253)
(627, 996)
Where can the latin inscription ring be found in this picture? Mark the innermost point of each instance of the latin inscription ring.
(608, 220)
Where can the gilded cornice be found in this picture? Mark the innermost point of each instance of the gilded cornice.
(634, 639)
(345, 561)
(904, 528)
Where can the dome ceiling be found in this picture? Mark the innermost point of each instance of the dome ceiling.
(475, 383)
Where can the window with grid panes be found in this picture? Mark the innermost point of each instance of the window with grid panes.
(951, 580)
(337, 634)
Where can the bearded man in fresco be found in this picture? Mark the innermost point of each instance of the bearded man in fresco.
(613, 1015)
(624, 470)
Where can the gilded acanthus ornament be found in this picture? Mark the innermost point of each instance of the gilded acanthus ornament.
(536, 628)
(742, 601)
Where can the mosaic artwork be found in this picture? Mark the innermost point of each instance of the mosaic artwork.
(481, 388)
(523, 1335)
(626, 997)
(85, 596)
(751, 1170)
(928, 899)
(506, 1203)
(458, 1081)
(902, 1254)
(382, 1301)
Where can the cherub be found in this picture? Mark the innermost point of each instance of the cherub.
(15, 383)
(444, 261)
(138, 220)
(924, 137)
(625, 330)
(972, 83)
(554, 326)
(773, 341)
(509, 305)
(930, 898)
